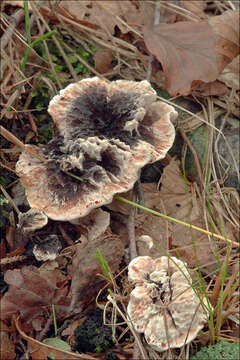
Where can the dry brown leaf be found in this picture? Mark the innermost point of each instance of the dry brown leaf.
(213, 88)
(103, 59)
(42, 351)
(192, 51)
(31, 294)
(105, 14)
(181, 202)
(85, 266)
(195, 7)
(231, 74)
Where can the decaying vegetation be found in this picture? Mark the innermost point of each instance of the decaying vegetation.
(186, 206)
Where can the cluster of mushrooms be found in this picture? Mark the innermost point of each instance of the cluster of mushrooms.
(107, 132)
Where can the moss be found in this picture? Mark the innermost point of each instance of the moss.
(92, 335)
(221, 351)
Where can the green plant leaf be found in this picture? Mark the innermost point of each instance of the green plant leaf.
(57, 343)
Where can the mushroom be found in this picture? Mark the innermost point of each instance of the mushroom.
(32, 220)
(107, 132)
(49, 249)
(163, 304)
(95, 223)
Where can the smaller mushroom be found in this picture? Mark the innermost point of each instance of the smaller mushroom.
(163, 304)
(33, 219)
(47, 250)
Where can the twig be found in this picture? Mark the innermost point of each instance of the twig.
(67, 238)
(7, 167)
(131, 227)
(13, 139)
(8, 197)
(9, 260)
(140, 195)
(156, 22)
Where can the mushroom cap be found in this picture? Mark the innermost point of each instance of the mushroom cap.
(108, 132)
(32, 220)
(47, 250)
(163, 304)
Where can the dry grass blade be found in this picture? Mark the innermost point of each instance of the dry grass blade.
(135, 334)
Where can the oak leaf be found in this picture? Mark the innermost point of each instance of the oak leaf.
(192, 51)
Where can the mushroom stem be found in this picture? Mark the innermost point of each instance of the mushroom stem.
(140, 195)
(14, 140)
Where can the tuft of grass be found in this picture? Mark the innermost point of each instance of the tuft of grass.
(104, 265)
(29, 40)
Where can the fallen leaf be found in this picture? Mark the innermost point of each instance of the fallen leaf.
(192, 51)
(177, 198)
(103, 59)
(213, 88)
(57, 343)
(85, 267)
(30, 294)
(195, 7)
(231, 74)
(104, 14)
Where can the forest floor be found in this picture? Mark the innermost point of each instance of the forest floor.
(66, 285)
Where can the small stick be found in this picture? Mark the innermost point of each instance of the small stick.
(13, 139)
(10, 260)
(8, 197)
(7, 167)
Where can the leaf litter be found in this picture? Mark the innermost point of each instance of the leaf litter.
(207, 69)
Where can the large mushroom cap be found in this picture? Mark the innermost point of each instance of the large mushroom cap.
(108, 132)
(163, 304)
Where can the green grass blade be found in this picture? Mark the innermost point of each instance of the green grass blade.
(104, 265)
(54, 320)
